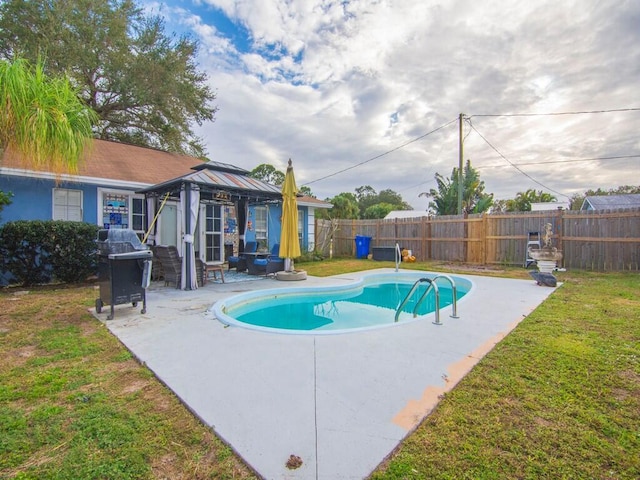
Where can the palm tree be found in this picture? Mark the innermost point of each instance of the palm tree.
(523, 200)
(42, 119)
(445, 197)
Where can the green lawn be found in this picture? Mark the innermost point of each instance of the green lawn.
(558, 398)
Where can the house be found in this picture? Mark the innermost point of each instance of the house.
(611, 202)
(103, 191)
(124, 186)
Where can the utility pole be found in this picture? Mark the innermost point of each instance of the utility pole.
(460, 161)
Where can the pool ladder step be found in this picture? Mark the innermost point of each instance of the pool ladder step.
(432, 286)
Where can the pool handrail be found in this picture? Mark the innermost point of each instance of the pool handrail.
(454, 294)
(432, 285)
(398, 255)
(415, 310)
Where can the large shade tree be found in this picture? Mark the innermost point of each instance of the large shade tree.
(377, 205)
(268, 173)
(143, 84)
(345, 205)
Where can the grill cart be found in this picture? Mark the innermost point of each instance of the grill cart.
(124, 269)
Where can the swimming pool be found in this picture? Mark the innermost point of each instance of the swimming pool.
(370, 302)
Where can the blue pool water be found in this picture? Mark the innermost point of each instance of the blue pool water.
(369, 303)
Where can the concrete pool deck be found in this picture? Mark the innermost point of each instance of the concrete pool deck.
(341, 403)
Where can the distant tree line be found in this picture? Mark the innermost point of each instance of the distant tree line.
(365, 202)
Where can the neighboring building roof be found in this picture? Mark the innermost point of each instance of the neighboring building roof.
(406, 214)
(611, 202)
(115, 161)
(542, 206)
(306, 201)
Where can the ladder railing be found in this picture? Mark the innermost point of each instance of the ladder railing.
(431, 286)
(406, 299)
(454, 294)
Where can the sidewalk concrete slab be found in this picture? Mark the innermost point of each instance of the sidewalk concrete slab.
(340, 402)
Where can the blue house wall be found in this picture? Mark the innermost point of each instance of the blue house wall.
(33, 198)
(274, 226)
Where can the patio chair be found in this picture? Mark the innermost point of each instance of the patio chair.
(239, 262)
(272, 264)
(276, 263)
(171, 262)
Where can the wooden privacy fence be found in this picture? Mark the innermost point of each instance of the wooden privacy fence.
(590, 240)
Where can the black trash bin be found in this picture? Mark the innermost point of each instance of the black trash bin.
(124, 269)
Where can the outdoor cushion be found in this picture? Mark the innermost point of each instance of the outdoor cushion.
(239, 261)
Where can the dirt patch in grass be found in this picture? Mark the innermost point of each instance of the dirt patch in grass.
(74, 403)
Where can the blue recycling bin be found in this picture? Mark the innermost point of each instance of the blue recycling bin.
(362, 246)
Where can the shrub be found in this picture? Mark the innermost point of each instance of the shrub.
(22, 253)
(35, 251)
(72, 250)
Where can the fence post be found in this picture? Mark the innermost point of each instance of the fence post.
(483, 245)
(423, 244)
(353, 236)
(559, 231)
(465, 239)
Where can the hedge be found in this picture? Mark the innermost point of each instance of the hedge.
(36, 252)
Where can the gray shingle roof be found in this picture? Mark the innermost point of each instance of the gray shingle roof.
(610, 202)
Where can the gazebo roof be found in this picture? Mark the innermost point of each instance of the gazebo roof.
(219, 181)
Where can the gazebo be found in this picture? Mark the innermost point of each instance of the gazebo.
(211, 183)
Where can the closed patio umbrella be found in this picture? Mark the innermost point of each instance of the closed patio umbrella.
(289, 241)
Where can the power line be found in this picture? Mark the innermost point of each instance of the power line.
(382, 154)
(513, 164)
(468, 118)
(617, 157)
(550, 114)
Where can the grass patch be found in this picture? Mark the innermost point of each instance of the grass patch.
(75, 404)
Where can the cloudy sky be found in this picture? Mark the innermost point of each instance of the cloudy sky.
(370, 92)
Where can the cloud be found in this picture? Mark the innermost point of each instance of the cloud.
(333, 84)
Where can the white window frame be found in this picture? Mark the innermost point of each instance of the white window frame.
(301, 226)
(204, 233)
(261, 230)
(102, 192)
(71, 212)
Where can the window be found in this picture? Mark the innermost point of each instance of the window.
(67, 204)
(121, 209)
(301, 227)
(260, 225)
(138, 214)
(213, 233)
